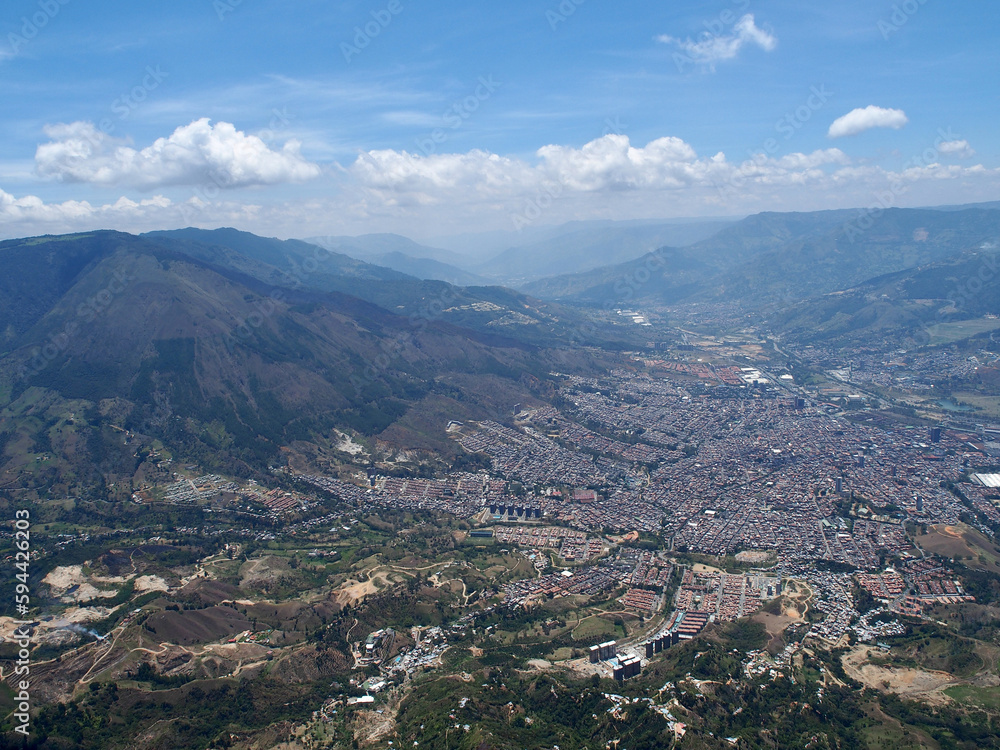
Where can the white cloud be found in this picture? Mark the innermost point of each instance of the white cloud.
(30, 214)
(713, 48)
(31, 208)
(958, 149)
(607, 164)
(608, 178)
(195, 154)
(611, 178)
(865, 118)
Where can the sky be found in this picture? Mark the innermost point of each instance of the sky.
(301, 118)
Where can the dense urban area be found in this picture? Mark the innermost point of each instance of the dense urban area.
(618, 537)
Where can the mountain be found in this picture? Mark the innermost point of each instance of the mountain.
(670, 274)
(428, 269)
(367, 246)
(847, 254)
(952, 299)
(581, 248)
(515, 258)
(403, 255)
(774, 259)
(300, 265)
(492, 243)
(294, 257)
(109, 334)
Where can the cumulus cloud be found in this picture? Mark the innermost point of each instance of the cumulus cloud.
(607, 164)
(196, 154)
(612, 178)
(958, 149)
(609, 178)
(30, 214)
(712, 48)
(865, 118)
(32, 209)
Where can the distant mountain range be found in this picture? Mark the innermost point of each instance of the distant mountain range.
(581, 249)
(915, 306)
(404, 255)
(772, 260)
(514, 259)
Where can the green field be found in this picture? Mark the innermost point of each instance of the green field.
(987, 697)
(593, 626)
(989, 405)
(946, 333)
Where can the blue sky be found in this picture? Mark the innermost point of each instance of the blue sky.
(309, 118)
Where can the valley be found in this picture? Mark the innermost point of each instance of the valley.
(360, 527)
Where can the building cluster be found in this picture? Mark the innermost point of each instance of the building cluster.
(641, 599)
(462, 494)
(574, 549)
(190, 491)
(684, 625)
(631, 567)
(429, 644)
(832, 598)
(538, 537)
(888, 586)
(985, 500)
(643, 568)
(662, 640)
(723, 596)
(377, 646)
(590, 581)
(531, 457)
(933, 583)
(573, 545)
(603, 652)
(877, 623)
(885, 366)
(622, 666)
(280, 501)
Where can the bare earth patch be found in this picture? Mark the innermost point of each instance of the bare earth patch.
(539, 664)
(916, 684)
(70, 584)
(354, 591)
(150, 583)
